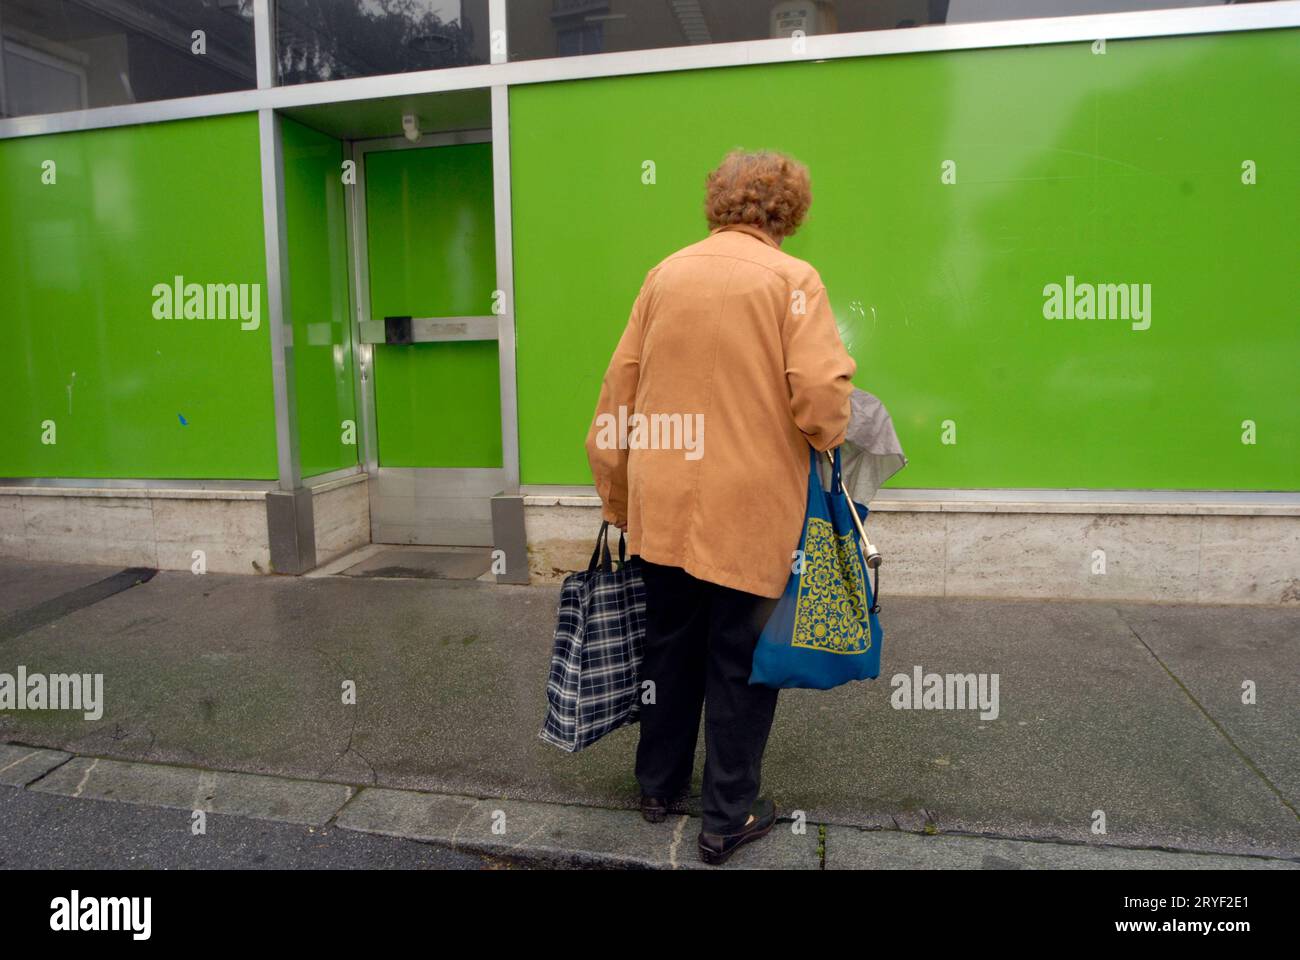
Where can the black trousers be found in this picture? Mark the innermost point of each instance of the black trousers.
(699, 649)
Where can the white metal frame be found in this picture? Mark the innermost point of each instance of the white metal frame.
(288, 460)
(1177, 501)
(499, 75)
(122, 483)
(506, 284)
(965, 36)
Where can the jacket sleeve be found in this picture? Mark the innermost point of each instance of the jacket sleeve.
(606, 453)
(819, 371)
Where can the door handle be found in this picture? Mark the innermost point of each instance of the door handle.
(401, 331)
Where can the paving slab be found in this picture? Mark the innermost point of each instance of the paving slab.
(1088, 721)
(1214, 652)
(849, 848)
(248, 674)
(184, 788)
(563, 836)
(43, 831)
(20, 765)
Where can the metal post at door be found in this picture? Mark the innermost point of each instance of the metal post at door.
(363, 381)
(505, 287)
(509, 533)
(290, 520)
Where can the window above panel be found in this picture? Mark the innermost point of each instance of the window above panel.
(60, 55)
(540, 29)
(339, 39)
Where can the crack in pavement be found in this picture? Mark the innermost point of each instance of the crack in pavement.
(1246, 759)
(86, 777)
(356, 719)
(374, 774)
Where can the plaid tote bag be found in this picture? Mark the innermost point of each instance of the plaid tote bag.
(600, 628)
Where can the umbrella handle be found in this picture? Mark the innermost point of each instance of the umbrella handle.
(868, 548)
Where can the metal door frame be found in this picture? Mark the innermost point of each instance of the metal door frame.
(473, 483)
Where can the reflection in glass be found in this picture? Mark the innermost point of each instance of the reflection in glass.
(58, 55)
(564, 28)
(337, 39)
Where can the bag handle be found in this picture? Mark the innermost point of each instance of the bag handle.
(600, 558)
(869, 553)
(601, 542)
(815, 476)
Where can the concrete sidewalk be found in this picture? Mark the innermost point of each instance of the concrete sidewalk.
(467, 832)
(1135, 711)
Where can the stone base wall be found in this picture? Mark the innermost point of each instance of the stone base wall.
(1163, 552)
(162, 528)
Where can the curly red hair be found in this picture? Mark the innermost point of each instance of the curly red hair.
(764, 189)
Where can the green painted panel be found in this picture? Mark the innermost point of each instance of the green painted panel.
(431, 251)
(131, 395)
(316, 228)
(1124, 167)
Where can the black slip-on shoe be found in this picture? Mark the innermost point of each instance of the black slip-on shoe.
(716, 849)
(657, 809)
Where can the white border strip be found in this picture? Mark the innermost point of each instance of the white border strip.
(71, 486)
(192, 491)
(1276, 14)
(503, 227)
(916, 500)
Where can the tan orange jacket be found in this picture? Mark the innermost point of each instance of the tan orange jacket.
(730, 366)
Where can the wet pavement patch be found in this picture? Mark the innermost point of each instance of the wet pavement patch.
(38, 616)
(424, 563)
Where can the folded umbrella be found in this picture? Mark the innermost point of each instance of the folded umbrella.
(871, 453)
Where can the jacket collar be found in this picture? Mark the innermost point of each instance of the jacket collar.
(749, 229)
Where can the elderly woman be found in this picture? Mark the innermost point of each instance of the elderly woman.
(736, 338)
